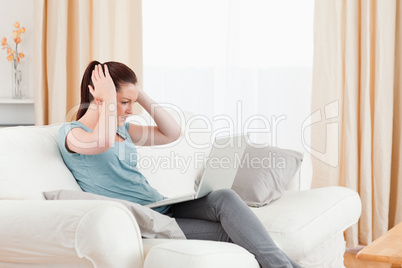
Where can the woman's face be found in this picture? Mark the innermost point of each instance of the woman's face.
(126, 97)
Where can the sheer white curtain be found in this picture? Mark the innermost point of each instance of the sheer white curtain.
(250, 61)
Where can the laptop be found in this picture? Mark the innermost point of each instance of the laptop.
(219, 172)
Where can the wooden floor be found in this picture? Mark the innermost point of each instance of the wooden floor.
(352, 262)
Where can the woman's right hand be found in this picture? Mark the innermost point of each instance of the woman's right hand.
(103, 83)
(104, 133)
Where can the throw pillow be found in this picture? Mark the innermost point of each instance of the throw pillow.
(264, 173)
(152, 224)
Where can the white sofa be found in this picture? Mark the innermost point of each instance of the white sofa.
(307, 224)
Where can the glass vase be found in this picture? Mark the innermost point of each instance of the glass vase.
(17, 80)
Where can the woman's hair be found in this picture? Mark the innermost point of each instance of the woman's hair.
(120, 73)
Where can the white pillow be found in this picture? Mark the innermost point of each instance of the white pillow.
(264, 173)
(152, 224)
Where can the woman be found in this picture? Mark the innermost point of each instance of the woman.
(97, 149)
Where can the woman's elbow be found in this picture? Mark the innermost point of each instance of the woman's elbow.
(175, 136)
(105, 143)
(180, 134)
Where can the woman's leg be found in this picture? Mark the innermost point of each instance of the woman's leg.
(203, 230)
(239, 222)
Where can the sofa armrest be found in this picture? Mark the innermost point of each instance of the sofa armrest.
(100, 233)
(304, 176)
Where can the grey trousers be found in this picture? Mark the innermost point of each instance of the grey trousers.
(223, 216)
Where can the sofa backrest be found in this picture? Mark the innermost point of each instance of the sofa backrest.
(30, 161)
(182, 161)
(173, 168)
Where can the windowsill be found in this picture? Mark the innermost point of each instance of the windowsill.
(16, 101)
(16, 125)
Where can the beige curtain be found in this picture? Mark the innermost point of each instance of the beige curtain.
(356, 79)
(71, 33)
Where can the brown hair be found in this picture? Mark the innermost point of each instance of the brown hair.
(120, 73)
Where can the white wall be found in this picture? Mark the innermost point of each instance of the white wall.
(21, 11)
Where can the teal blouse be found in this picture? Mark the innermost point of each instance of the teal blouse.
(113, 173)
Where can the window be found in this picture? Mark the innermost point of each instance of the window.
(233, 58)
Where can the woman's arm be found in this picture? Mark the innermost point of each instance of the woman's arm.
(104, 132)
(166, 130)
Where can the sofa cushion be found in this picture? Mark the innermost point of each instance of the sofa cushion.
(172, 168)
(197, 254)
(151, 223)
(264, 173)
(30, 163)
(309, 218)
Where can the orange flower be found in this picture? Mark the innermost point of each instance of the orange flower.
(16, 33)
(13, 54)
